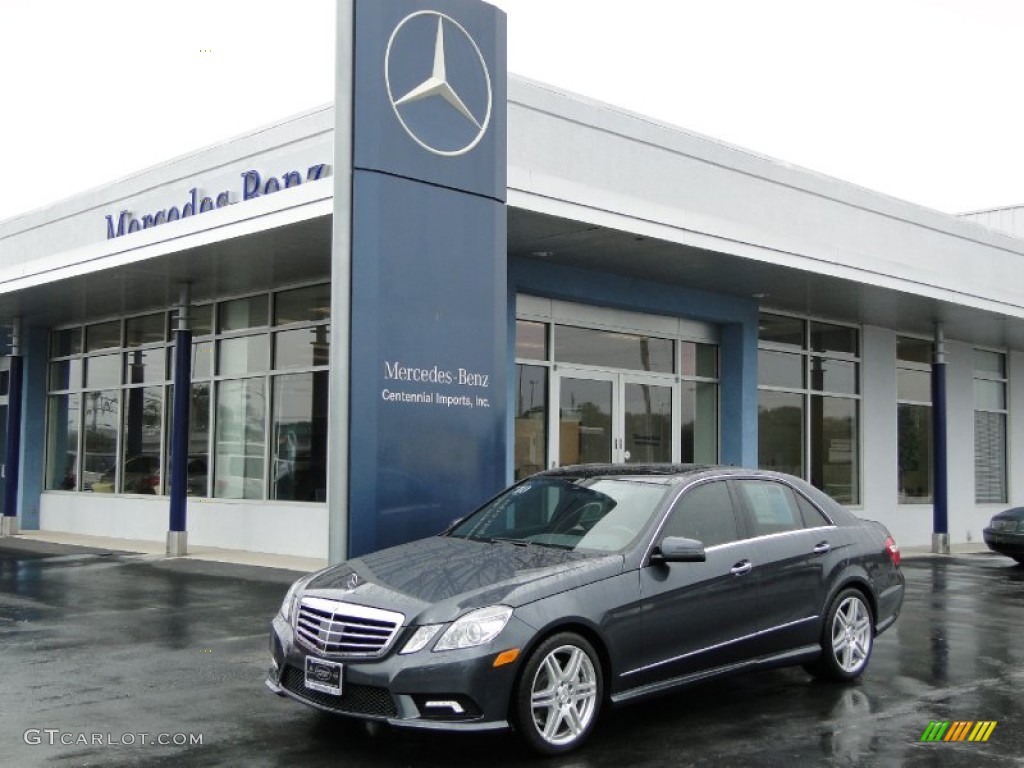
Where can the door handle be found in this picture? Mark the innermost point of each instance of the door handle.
(822, 548)
(742, 567)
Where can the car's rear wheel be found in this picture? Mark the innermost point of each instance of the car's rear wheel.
(559, 694)
(847, 638)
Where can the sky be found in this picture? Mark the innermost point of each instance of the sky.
(917, 99)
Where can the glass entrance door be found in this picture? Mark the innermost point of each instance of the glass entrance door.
(585, 425)
(648, 423)
(614, 418)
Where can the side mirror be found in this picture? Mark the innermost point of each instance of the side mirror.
(676, 549)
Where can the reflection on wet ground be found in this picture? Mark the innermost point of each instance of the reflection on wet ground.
(111, 645)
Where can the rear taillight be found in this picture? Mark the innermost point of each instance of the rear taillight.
(893, 549)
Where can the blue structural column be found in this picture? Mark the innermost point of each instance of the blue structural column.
(940, 509)
(426, 262)
(9, 525)
(177, 533)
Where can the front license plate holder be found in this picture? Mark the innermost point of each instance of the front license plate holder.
(324, 676)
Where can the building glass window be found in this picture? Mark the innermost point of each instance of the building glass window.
(100, 427)
(240, 439)
(143, 424)
(110, 398)
(303, 305)
(809, 402)
(698, 403)
(531, 340)
(65, 374)
(242, 314)
(198, 439)
(299, 432)
(608, 349)
(102, 371)
(990, 417)
(781, 445)
(148, 329)
(145, 365)
(242, 355)
(200, 320)
(103, 335)
(303, 348)
(199, 409)
(202, 360)
(531, 414)
(62, 443)
(698, 360)
(66, 342)
(699, 439)
(914, 420)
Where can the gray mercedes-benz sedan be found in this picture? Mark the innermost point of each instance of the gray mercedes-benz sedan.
(585, 587)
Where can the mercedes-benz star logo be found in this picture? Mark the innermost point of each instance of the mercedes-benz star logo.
(438, 85)
(351, 581)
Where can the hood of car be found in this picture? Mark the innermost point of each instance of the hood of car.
(1016, 513)
(438, 579)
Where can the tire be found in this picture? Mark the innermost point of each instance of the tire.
(558, 695)
(846, 639)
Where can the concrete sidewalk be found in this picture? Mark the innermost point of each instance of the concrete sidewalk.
(155, 550)
(961, 548)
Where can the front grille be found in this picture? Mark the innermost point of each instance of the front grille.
(342, 629)
(354, 700)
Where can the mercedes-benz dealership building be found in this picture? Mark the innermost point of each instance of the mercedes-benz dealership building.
(378, 313)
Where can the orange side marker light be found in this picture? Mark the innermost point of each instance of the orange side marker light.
(506, 657)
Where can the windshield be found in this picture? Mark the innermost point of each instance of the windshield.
(604, 515)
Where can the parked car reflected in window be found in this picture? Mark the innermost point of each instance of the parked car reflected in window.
(141, 475)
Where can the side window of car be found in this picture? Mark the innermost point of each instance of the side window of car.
(772, 507)
(704, 513)
(813, 517)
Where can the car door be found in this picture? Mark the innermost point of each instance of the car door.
(698, 616)
(789, 559)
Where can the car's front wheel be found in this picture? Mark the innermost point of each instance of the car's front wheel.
(847, 638)
(559, 694)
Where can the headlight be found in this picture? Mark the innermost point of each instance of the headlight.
(288, 604)
(475, 628)
(421, 637)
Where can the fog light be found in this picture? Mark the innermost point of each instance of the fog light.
(446, 706)
(452, 706)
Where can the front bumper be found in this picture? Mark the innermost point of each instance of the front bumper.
(1009, 544)
(404, 690)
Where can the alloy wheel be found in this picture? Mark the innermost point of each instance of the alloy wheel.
(564, 695)
(851, 635)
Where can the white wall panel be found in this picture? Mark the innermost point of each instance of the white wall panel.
(601, 162)
(253, 526)
(878, 423)
(966, 519)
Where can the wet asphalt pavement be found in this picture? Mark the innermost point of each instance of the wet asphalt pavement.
(118, 649)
